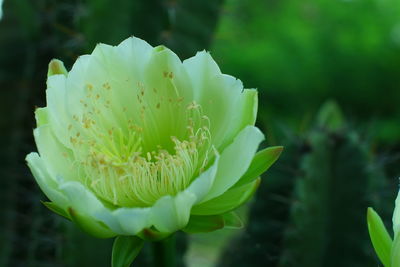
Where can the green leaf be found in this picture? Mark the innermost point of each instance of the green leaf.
(232, 221)
(379, 236)
(204, 224)
(260, 163)
(395, 252)
(56, 209)
(125, 250)
(89, 225)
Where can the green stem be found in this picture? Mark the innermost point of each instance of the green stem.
(164, 252)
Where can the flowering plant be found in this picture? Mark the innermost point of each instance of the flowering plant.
(135, 143)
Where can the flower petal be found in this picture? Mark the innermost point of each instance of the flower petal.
(235, 160)
(222, 98)
(167, 93)
(48, 185)
(245, 114)
(135, 50)
(170, 214)
(56, 107)
(202, 184)
(132, 220)
(88, 211)
(228, 201)
(58, 159)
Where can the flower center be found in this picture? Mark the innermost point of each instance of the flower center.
(137, 159)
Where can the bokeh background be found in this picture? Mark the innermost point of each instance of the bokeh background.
(328, 75)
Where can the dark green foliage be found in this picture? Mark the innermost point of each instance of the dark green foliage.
(192, 25)
(185, 26)
(328, 211)
(299, 53)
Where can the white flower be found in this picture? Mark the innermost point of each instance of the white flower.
(133, 140)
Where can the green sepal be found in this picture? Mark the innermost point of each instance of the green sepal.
(380, 238)
(232, 221)
(41, 116)
(89, 225)
(56, 209)
(125, 249)
(228, 201)
(260, 163)
(150, 234)
(204, 224)
(56, 67)
(395, 252)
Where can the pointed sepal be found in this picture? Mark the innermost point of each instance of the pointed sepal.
(151, 234)
(56, 209)
(125, 250)
(204, 224)
(89, 225)
(260, 163)
(56, 67)
(232, 221)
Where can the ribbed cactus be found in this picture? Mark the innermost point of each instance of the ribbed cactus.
(310, 210)
(327, 223)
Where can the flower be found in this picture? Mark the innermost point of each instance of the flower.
(135, 142)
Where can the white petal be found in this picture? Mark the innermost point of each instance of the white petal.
(170, 214)
(58, 158)
(48, 185)
(132, 220)
(56, 107)
(221, 97)
(235, 160)
(84, 202)
(202, 184)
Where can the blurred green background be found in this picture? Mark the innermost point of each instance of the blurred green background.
(328, 75)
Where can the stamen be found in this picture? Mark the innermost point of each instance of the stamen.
(140, 157)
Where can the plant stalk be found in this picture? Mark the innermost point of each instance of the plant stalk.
(164, 252)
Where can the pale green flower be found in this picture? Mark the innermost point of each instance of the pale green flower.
(135, 142)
